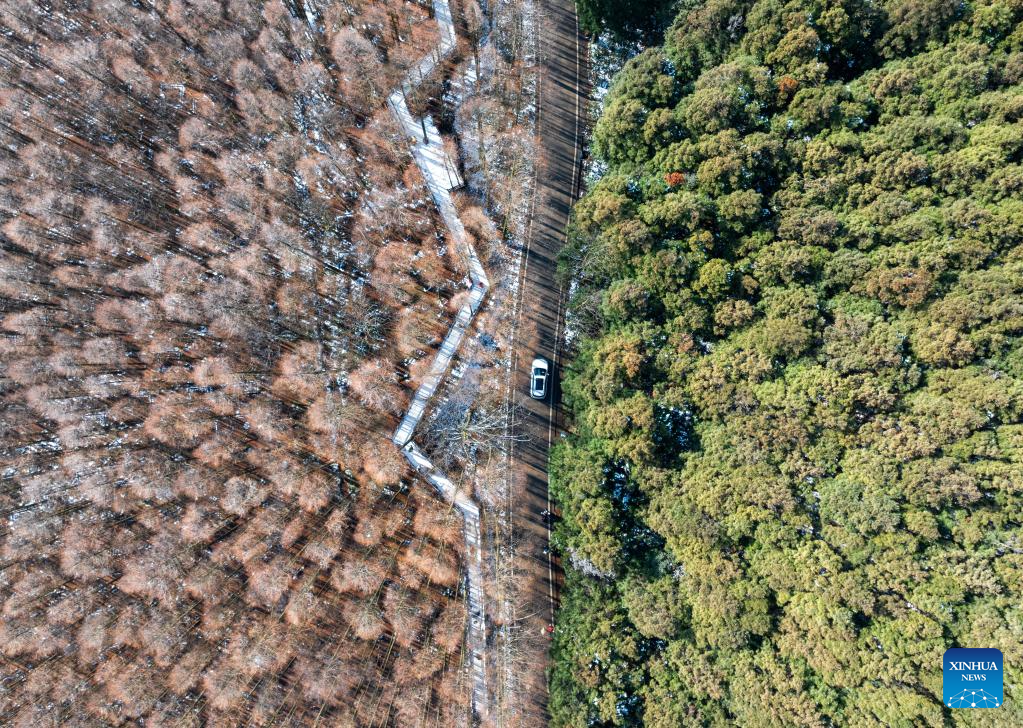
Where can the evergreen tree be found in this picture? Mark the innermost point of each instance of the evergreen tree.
(796, 473)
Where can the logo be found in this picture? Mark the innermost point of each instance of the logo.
(972, 677)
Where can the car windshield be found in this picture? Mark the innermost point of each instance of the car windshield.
(538, 372)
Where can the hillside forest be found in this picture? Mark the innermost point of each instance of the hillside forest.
(796, 470)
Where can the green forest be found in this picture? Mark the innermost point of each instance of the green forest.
(795, 473)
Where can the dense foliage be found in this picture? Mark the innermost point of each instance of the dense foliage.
(631, 21)
(797, 473)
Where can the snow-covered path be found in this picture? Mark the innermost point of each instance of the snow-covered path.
(441, 175)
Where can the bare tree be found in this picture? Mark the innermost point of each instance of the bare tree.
(189, 280)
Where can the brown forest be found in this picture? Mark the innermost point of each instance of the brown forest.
(220, 273)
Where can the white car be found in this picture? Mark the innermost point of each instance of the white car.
(538, 375)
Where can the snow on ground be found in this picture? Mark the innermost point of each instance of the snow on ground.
(441, 176)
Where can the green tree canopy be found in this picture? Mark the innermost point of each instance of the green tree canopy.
(643, 20)
(796, 472)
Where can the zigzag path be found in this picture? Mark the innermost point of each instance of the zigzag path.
(441, 177)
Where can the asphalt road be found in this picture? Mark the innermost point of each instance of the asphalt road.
(540, 319)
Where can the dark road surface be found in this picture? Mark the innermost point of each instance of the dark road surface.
(540, 322)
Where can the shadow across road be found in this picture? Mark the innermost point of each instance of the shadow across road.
(540, 327)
